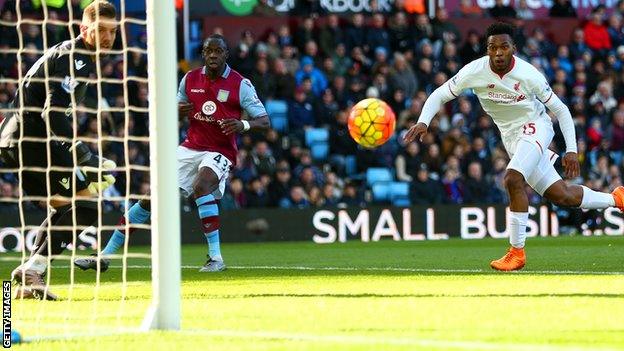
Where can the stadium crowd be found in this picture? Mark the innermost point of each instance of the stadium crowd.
(318, 72)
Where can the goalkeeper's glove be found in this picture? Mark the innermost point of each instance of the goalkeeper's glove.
(89, 165)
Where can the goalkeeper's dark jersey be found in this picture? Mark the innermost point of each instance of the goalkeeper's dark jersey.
(54, 101)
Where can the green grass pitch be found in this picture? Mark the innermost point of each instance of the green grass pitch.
(354, 296)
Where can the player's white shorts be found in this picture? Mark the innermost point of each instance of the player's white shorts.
(189, 163)
(530, 154)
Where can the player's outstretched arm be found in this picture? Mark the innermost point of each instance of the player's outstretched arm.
(439, 97)
(570, 160)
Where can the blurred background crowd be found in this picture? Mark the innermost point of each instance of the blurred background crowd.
(310, 74)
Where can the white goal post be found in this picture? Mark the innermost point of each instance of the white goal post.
(164, 313)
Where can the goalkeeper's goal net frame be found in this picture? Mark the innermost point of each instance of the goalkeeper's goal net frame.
(164, 312)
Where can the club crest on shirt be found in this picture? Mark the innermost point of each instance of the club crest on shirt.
(223, 95)
(209, 108)
(517, 86)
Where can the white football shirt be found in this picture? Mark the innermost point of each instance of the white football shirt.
(512, 99)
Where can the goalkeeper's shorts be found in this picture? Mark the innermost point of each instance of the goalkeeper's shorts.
(35, 181)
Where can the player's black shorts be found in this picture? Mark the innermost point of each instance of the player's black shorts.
(34, 182)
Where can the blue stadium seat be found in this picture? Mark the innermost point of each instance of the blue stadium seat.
(278, 113)
(376, 175)
(315, 135)
(381, 192)
(319, 150)
(399, 193)
(350, 165)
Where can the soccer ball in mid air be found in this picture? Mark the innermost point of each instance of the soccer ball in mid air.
(371, 122)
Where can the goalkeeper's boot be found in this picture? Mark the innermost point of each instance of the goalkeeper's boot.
(513, 260)
(618, 196)
(213, 266)
(92, 263)
(31, 285)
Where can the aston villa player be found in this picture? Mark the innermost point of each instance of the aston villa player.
(214, 98)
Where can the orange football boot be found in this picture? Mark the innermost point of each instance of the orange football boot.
(513, 260)
(618, 196)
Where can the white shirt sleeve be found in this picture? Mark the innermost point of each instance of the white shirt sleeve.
(544, 93)
(439, 97)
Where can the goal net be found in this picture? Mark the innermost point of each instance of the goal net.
(125, 116)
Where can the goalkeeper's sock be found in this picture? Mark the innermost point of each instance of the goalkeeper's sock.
(136, 215)
(517, 228)
(209, 215)
(85, 213)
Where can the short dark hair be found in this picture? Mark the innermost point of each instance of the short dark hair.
(215, 37)
(103, 9)
(498, 28)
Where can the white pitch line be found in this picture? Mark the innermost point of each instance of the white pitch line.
(385, 269)
(335, 338)
(395, 341)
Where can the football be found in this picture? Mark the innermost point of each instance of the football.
(371, 122)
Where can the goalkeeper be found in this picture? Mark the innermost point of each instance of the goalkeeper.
(44, 98)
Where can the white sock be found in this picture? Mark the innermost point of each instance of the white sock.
(596, 200)
(517, 228)
(37, 263)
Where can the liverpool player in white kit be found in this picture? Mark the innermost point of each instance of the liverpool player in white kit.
(514, 93)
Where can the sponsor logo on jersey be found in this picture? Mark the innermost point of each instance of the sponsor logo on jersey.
(69, 84)
(79, 64)
(201, 117)
(209, 108)
(223, 95)
(194, 90)
(64, 183)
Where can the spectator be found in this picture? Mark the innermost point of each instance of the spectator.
(264, 9)
(468, 9)
(305, 33)
(296, 199)
(401, 37)
(501, 10)
(477, 189)
(616, 32)
(351, 197)
(596, 34)
(234, 197)
(280, 186)
(562, 8)
(356, 33)
(408, 162)
(257, 195)
(284, 82)
(331, 35)
(402, 77)
(616, 132)
(263, 80)
(423, 28)
(524, 12)
(472, 48)
(423, 189)
(377, 36)
(300, 113)
(604, 96)
(316, 76)
(443, 29)
(453, 187)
